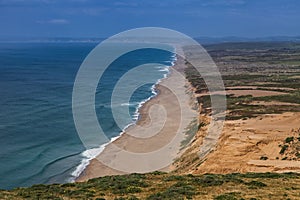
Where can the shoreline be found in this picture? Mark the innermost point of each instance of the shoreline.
(130, 143)
(91, 154)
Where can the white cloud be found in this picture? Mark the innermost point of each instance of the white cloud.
(25, 2)
(54, 21)
(92, 11)
(223, 3)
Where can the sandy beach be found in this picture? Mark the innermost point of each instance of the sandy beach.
(156, 138)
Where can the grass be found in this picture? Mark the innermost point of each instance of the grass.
(265, 65)
(240, 107)
(289, 98)
(229, 196)
(159, 185)
(190, 132)
(255, 184)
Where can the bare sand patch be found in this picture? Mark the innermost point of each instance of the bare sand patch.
(294, 77)
(244, 142)
(242, 87)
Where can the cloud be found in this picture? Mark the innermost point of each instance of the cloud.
(92, 11)
(54, 21)
(223, 3)
(19, 3)
(125, 4)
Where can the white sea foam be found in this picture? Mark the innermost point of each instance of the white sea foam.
(87, 155)
(165, 69)
(129, 104)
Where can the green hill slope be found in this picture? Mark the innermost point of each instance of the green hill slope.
(158, 185)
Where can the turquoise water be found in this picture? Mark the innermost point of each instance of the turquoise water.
(38, 139)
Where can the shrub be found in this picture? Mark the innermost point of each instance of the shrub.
(289, 139)
(262, 175)
(132, 189)
(209, 180)
(180, 190)
(283, 149)
(68, 185)
(264, 158)
(256, 184)
(174, 178)
(158, 173)
(232, 178)
(225, 197)
(121, 184)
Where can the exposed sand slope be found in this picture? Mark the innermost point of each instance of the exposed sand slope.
(244, 142)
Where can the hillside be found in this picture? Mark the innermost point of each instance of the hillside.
(158, 185)
(261, 130)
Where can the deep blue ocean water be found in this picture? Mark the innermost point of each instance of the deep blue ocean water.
(38, 139)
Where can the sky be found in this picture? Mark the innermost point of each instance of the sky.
(104, 18)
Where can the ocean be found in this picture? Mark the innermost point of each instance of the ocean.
(38, 140)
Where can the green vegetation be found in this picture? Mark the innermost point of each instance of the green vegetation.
(159, 185)
(255, 184)
(229, 196)
(257, 52)
(240, 107)
(264, 158)
(283, 149)
(258, 46)
(292, 97)
(190, 132)
(179, 190)
(289, 139)
(271, 66)
(290, 147)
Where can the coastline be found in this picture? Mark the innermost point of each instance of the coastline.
(149, 116)
(91, 154)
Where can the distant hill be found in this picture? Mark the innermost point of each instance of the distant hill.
(214, 40)
(201, 40)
